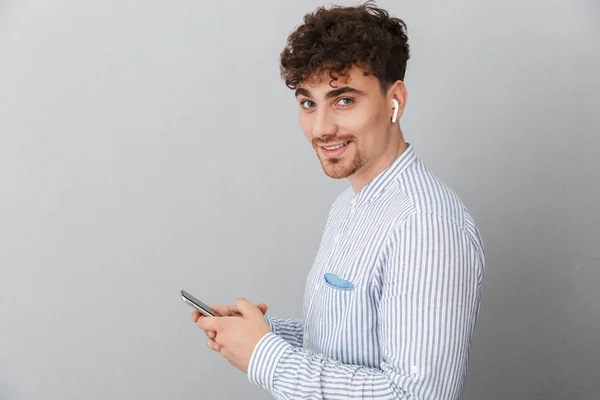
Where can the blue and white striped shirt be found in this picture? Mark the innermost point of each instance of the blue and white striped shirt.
(391, 301)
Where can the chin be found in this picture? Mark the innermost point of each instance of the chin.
(338, 169)
(336, 174)
(343, 167)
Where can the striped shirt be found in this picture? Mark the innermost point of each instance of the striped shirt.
(391, 301)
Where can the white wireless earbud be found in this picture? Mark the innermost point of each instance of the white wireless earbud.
(395, 110)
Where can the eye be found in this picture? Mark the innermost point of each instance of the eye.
(345, 101)
(307, 104)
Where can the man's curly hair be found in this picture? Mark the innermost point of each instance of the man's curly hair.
(334, 40)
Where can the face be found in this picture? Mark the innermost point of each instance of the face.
(348, 124)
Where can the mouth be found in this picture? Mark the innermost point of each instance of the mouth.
(335, 150)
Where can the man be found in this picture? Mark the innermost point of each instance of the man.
(393, 296)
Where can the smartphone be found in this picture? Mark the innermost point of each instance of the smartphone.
(197, 304)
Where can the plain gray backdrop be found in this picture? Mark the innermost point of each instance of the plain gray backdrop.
(150, 146)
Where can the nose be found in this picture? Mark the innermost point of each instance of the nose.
(324, 124)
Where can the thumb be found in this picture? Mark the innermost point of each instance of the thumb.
(263, 308)
(245, 307)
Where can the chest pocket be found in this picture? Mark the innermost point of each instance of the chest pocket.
(338, 283)
(335, 316)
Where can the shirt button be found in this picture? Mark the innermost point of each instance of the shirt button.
(353, 201)
(336, 238)
(305, 339)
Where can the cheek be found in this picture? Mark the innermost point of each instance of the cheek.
(374, 128)
(358, 125)
(306, 126)
(361, 119)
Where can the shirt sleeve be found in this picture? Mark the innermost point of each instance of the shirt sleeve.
(291, 330)
(430, 295)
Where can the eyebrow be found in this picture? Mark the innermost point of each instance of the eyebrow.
(331, 94)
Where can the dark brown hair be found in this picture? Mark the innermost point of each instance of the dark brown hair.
(333, 40)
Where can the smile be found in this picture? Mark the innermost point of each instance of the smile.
(335, 150)
(336, 146)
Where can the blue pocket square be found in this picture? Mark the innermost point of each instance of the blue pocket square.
(338, 282)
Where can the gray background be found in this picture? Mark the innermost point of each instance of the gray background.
(150, 146)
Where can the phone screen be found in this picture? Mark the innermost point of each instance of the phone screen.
(200, 306)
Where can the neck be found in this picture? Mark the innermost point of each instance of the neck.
(366, 174)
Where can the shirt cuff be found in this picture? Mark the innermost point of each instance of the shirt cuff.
(265, 357)
(271, 324)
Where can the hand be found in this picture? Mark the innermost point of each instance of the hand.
(237, 335)
(223, 311)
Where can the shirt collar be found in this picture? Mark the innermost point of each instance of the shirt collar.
(382, 181)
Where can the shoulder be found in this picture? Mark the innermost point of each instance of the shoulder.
(435, 207)
(428, 195)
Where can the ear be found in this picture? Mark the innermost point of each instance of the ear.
(397, 91)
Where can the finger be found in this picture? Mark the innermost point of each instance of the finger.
(263, 308)
(245, 307)
(211, 344)
(224, 310)
(195, 316)
(209, 323)
(210, 334)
